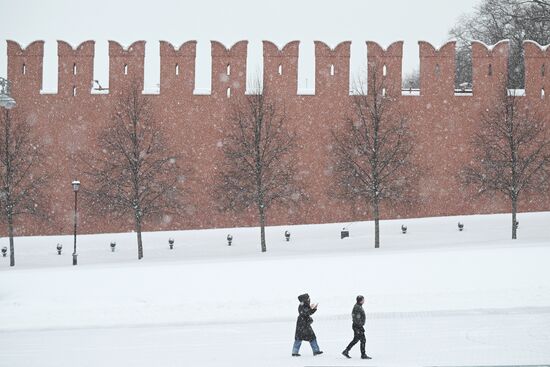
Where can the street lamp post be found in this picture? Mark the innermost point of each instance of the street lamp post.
(76, 186)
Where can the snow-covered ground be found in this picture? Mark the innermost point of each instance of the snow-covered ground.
(435, 296)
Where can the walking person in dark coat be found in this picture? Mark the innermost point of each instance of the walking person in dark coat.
(358, 325)
(304, 331)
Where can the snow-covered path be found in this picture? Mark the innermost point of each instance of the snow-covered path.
(482, 337)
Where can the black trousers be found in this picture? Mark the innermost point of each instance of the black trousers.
(358, 335)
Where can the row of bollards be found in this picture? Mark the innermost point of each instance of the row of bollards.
(345, 232)
(170, 244)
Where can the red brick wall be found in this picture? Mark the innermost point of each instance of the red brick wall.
(442, 121)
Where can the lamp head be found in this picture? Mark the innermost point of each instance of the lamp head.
(76, 185)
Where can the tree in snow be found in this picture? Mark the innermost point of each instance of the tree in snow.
(258, 168)
(373, 150)
(21, 172)
(539, 11)
(495, 20)
(133, 171)
(511, 152)
(412, 80)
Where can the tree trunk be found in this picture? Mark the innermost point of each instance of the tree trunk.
(138, 233)
(376, 224)
(262, 227)
(514, 212)
(10, 235)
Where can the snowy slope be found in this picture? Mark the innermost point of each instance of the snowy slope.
(435, 296)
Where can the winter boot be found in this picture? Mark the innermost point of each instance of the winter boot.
(364, 356)
(345, 353)
(296, 354)
(317, 353)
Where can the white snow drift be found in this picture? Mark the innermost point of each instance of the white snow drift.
(435, 296)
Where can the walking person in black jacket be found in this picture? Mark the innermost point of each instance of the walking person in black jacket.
(358, 326)
(304, 331)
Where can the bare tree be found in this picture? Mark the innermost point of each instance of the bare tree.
(132, 171)
(538, 10)
(511, 153)
(495, 20)
(259, 168)
(412, 80)
(373, 151)
(21, 172)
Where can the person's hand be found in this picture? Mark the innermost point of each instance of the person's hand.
(314, 306)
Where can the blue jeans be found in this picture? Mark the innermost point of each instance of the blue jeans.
(298, 343)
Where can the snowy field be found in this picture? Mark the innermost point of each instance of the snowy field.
(434, 296)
